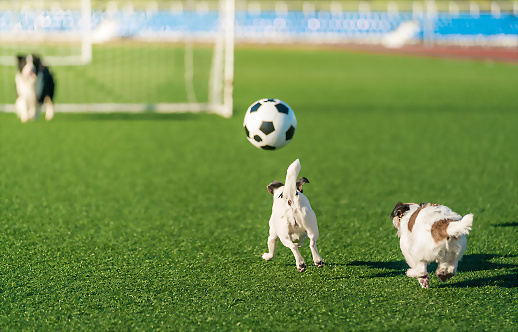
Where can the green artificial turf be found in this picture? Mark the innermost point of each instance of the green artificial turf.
(153, 221)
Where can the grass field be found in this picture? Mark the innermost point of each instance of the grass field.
(158, 222)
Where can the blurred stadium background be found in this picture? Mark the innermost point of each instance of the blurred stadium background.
(180, 53)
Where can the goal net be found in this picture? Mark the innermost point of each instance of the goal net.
(124, 56)
(61, 32)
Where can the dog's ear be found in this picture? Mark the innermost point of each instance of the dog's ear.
(36, 60)
(300, 182)
(399, 210)
(274, 185)
(21, 61)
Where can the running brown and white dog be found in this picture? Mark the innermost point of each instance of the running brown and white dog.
(431, 233)
(34, 87)
(292, 220)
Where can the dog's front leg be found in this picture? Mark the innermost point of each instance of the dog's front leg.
(21, 109)
(272, 245)
(31, 111)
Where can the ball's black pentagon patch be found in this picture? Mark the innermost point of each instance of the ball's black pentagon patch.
(258, 138)
(255, 107)
(290, 132)
(268, 147)
(247, 132)
(282, 108)
(270, 100)
(267, 127)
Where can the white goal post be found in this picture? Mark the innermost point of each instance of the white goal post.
(122, 23)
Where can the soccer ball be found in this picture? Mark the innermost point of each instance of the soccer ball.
(270, 124)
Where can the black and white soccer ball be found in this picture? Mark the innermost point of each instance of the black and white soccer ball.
(270, 124)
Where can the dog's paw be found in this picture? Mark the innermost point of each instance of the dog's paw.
(267, 256)
(301, 267)
(424, 281)
(441, 275)
(444, 276)
(319, 263)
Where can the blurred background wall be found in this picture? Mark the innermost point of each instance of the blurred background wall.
(390, 23)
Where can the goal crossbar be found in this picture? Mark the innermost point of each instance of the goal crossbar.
(130, 108)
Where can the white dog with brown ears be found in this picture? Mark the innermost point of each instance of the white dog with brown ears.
(431, 233)
(292, 220)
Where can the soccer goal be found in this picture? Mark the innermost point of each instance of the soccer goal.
(124, 56)
(60, 30)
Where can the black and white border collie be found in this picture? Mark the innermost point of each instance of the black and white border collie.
(34, 87)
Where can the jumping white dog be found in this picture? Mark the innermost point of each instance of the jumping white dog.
(34, 87)
(431, 233)
(292, 220)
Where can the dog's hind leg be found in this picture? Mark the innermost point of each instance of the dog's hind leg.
(446, 270)
(424, 281)
(301, 264)
(420, 272)
(49, 108)
(452, 269)
(317, 259)
(441, 271)
(312, 231)
(447, 267)
(272, 245)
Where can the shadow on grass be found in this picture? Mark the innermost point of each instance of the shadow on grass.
(508, 272)
(334, 264)
(510, 224)
(484, 262)
(144, 116)
(504, 280)
(396, 268)
(310, 263)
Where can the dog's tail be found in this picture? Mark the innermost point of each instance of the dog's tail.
(290, 188)
(460, 227)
